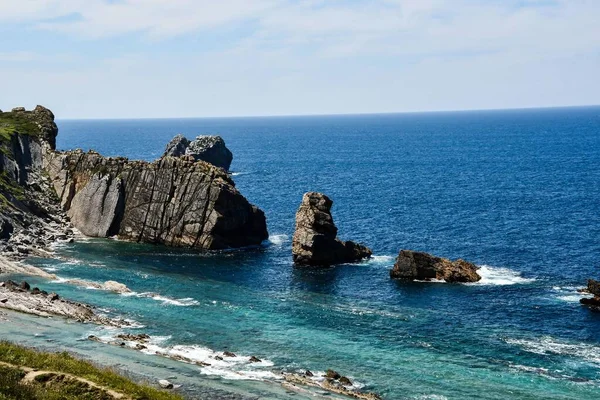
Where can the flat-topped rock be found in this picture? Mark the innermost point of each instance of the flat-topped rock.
(315, 241)
(415, 265)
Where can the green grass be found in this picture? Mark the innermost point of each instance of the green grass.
(50, 388)
(11, 123)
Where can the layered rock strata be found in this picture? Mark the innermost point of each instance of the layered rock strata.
(173, 201)
(414, 265)
(177, 201)
(315, 241)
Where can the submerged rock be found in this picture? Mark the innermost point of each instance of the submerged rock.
(211, 149)
(315, 242)
(417, 265)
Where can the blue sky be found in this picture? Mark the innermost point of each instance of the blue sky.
(196, 58)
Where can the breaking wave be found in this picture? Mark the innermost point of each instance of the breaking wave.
(500, 276)
(184, 302)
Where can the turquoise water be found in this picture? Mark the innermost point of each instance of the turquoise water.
(514, 191)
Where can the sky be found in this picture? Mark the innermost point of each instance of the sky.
(197, 58)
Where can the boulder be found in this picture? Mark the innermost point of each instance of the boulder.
(411, 265)
(315, 241)
(211, 149)
(165, 384)
(177, 146)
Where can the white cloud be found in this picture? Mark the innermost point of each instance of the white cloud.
(313, 56)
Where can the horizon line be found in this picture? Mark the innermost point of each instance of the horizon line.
(335, 114)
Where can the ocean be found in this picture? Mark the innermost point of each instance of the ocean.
(515, 191)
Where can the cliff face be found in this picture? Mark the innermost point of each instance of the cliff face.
(175, 201)
(30, 217)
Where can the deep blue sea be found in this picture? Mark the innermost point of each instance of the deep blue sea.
(516, 192)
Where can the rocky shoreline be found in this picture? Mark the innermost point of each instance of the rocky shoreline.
(22, 298)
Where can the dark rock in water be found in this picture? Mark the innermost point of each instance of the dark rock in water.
(308, 373)
(331, 374)
(24, 285)
(142, 337)
(345, 381)
(177, 146)
(219, 358)
(413, 265)
(211, 149)
(229, 354)
(254, 359)
(53, 297)
(593, 287)
(315, 242)
(36, 290)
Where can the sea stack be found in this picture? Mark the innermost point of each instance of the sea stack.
(593, 287)
(211, 149)
(315, 242)
(411, 265)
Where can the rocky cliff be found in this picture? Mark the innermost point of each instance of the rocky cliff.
(315, 239)
(413, 265)
(177, 201)
(30, 216)
(174, 201)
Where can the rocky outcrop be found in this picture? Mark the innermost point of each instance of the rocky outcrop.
(173, 201)
(593, 287)
(19, 297)
(211, 149)
(177, 146)
(177, 201)
(30, 217)
(414, 265)
(315, 242)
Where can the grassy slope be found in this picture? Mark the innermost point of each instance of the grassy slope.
(11, 388)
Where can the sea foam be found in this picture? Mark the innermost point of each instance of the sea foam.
(500, 276)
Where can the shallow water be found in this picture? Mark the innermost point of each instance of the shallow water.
(514, 191)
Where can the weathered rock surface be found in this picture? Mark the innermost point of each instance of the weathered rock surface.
(30, 217)
(413, 265)
(211, 149)
(173, 201)
(177, 201)
(593, 287)
(315, 242)
(177, 146)
(18, 297)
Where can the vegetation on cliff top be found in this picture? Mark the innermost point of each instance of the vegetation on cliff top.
(54, 386)
(13, 122)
